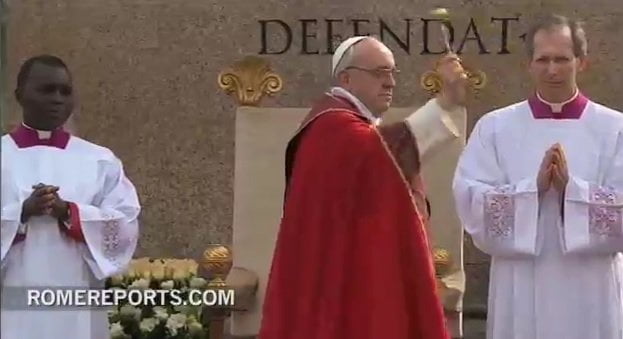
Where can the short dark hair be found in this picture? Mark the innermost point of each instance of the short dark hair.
(578, 35)
(45, 59)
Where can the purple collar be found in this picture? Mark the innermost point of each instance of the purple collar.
(27, 137)
(570, 110)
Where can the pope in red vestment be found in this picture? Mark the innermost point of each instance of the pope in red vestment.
(352, 259)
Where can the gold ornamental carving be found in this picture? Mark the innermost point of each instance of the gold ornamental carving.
(431, 81)
(217, 260)
(250, 79)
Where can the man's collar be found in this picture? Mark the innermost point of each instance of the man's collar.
(25, 136)
(570, 109)
(557, 107)
(365, 112)
(43, 135)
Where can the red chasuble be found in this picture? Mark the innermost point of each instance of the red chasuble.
(352, 259)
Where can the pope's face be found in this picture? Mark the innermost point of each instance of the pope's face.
(554, 66)
(371, 78)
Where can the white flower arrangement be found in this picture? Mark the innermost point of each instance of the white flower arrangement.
(165, 321)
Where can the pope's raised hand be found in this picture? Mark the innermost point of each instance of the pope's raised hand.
(454, 82)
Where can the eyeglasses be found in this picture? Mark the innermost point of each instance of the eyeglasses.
(377, 72)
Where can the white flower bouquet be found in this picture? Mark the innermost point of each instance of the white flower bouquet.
(163, 319)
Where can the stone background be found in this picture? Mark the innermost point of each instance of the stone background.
(146, 70)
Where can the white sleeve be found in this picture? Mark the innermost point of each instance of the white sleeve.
(434, 127)
(110, 225)
(593, 211)
(10, 224)
(501, 217)
(11, 201)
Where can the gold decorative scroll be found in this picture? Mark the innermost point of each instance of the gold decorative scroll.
(250, 79)
(431, 81)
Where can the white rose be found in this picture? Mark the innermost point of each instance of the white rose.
(175, 322)
(179, 318)
(185, 309)
(140, 284)
(130, 312)
(167, 285)
(195, 328)
(197, 282)
(148, 324)
(160, 313)
(116, 331)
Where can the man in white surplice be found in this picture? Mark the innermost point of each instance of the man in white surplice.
(540, 188)
(69, 214)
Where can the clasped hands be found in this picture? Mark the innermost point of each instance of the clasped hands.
(44, 200)
(553, 171)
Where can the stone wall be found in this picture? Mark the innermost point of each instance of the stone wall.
(145, 72)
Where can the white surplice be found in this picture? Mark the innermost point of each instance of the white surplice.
(556, 271)
(92, 177)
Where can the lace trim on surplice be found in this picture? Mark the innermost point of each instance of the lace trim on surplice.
(113, 246)
(499, 212)
(604, 220)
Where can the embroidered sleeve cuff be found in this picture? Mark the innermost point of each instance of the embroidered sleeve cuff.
(511, 215)
(593, 218)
